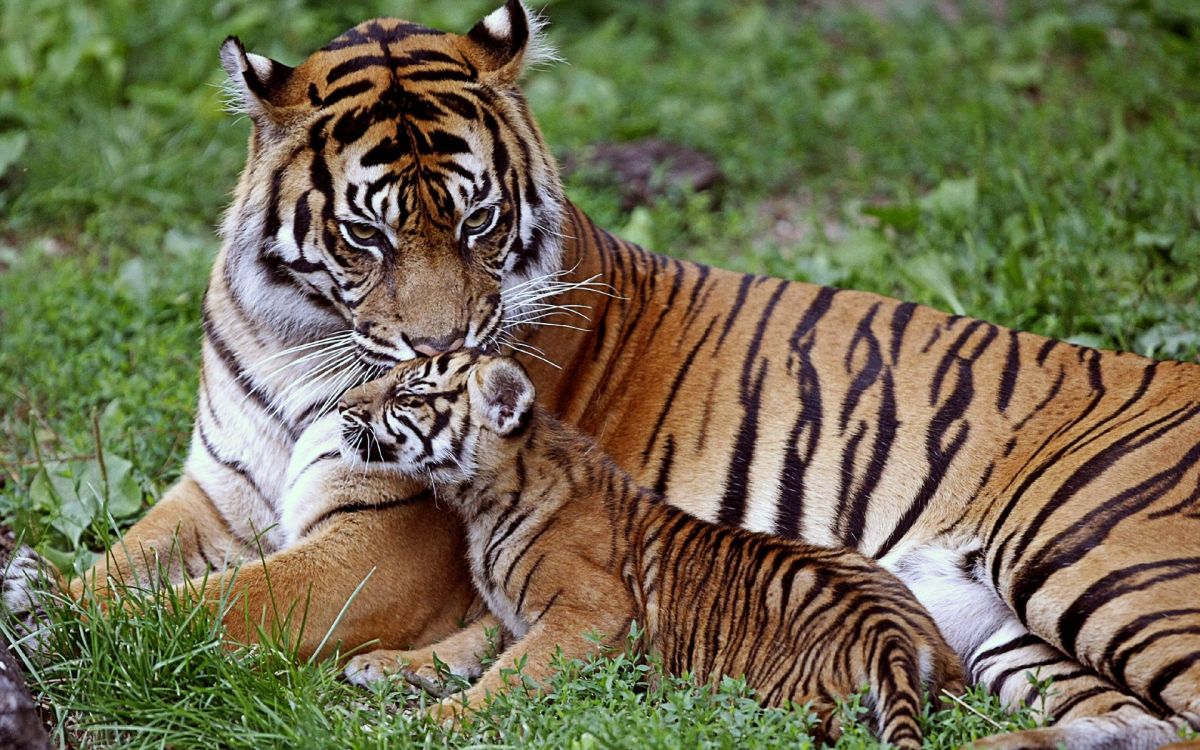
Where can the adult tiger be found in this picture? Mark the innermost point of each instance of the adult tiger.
(398, 200)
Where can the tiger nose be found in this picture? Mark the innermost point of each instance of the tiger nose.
(431, 346)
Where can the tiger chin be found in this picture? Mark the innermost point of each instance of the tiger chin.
(563, 543)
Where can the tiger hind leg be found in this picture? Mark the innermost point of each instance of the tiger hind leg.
(1086, 711)
(1133, 619)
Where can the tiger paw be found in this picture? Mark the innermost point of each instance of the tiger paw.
(376, 666)
(29, 581)
(422, 668)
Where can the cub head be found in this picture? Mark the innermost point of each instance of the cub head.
(396, 186)
(438, 418)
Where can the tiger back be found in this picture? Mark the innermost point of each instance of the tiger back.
(562, 542)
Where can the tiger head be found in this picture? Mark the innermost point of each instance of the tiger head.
(439, 418)
(396, 185)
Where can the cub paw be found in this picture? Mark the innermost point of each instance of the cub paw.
(29, 582)
(449, 712)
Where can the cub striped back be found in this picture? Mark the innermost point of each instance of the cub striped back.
(563, 542)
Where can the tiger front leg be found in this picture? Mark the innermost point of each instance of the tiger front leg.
(389, 576)
(181, 537)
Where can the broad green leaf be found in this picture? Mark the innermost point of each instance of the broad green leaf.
(1153, 240)
(952, 198)
(1091, 340)
(640, 229)
(78, 510)
(903, 217)
(1017, 75)
(124, 493)
(930, 272)
(12, 148)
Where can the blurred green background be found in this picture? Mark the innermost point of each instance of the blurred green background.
(1032, 163)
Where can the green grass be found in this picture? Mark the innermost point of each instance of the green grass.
(154, 675)
(1040, 169)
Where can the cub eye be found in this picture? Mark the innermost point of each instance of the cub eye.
(478, 220)
(361, 234)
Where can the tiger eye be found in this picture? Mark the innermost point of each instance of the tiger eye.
(477, 220)
(364, 232)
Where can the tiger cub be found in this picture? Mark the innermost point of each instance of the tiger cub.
(563, 544)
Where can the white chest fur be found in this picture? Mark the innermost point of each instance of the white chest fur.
(480, 535)
(316, 462)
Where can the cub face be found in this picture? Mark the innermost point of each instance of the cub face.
(435, 418)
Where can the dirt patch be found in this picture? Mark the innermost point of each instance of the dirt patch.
(645, 170)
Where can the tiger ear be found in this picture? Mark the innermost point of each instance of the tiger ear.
(256, 83)
(509, 40)
(501, 395)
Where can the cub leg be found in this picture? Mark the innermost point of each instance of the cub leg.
(461, 652)
(565, 633)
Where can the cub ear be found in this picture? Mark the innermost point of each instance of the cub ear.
(509, 40)
(501, 395)
(256, 83)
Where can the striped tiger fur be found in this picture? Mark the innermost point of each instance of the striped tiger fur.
(398, 198)
(562, 542)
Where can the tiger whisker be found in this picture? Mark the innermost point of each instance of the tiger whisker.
(604, 290)
(552, 280)
(374, 439)
(546, 311)
(573, 309)
(339, 387)
(536, 322)
(555, 286)
(315, 375)
(327, 371)
(523, 348)
(340, 336)
(509, 337)
(332, 349)
(537, 279)
(522, 317)
(274, 402)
